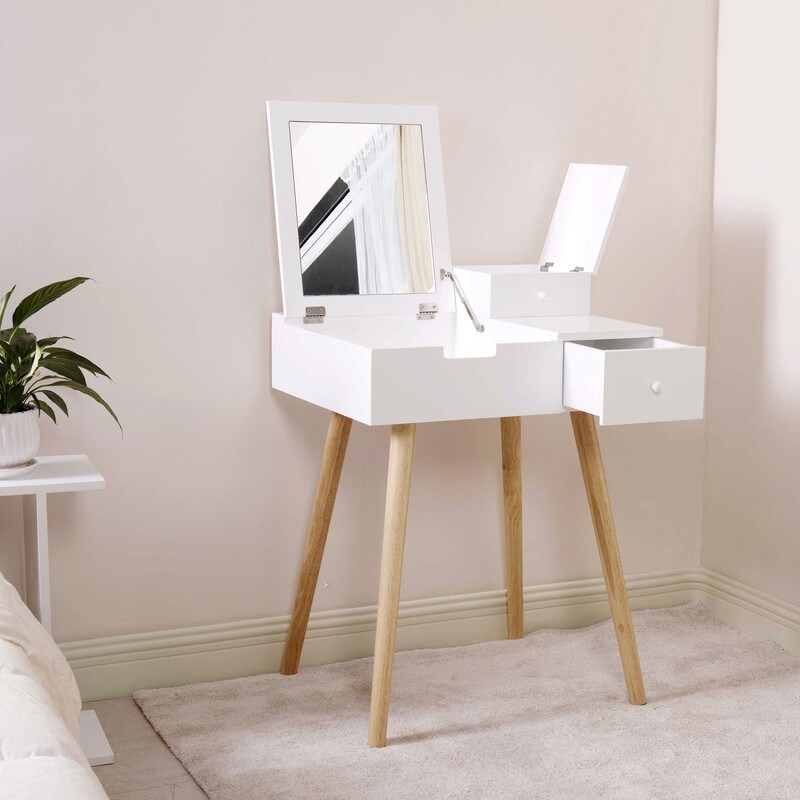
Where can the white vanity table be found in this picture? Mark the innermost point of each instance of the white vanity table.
(374, 329)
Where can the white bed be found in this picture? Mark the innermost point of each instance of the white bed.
(40, 757)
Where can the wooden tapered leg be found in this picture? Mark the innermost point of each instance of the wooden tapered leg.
(510, 438)
(327, 485)
(398, 483)
(594, 478)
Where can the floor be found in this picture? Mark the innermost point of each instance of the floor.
(144, 769)
(542, 717)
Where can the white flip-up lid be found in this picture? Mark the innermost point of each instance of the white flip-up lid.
(582, 219)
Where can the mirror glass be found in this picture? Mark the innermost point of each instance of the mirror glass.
(362, 208)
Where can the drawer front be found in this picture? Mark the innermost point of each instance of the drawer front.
(540, 294)
(502, 292)
(650, 380)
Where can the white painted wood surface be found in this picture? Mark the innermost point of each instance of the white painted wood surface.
(586, 328)
(53, 474)
(56, 474)
(387, 371)
(372, 360)
(629, 381)
(94, 743)
(37, 558)
(279, 115)
(522, 290)
(583, 217)
(391, 370)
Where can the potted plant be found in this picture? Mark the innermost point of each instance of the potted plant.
(33, 374)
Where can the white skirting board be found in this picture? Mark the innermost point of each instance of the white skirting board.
(117, 665)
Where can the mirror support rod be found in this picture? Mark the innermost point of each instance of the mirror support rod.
(444, 274)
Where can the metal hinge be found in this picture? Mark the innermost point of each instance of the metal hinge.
(315, 315)
(546, 266)
(577, 269)
(445, 274)
(427, 311)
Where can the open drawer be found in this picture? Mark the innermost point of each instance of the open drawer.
(634, 380)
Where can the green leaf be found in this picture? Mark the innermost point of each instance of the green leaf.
(79, 387)
(42, 406)
(4, 303)
(16, 400)
(66, 369)
(59, 401)
(81, 361)
(35, 365)
(37, 300)
(51, 340)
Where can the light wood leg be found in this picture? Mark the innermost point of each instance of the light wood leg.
(398, 483)
(327, 485)
(510, 437)
(594, 478)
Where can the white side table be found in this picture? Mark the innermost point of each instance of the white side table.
(54, 474)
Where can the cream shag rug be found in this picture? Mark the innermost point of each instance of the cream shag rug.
(543, 717)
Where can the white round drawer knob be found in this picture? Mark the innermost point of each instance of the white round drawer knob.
(543, 298)
(656, 387)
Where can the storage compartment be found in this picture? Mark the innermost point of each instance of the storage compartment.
(523, 290)
(393, 370)
(624, 381)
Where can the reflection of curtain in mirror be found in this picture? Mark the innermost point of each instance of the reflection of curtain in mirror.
(372, 178)
(412, 209)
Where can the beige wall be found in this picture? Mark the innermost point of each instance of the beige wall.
(135, 151)
(752, 516)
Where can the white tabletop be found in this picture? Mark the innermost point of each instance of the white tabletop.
(55, 474)
(589, 327)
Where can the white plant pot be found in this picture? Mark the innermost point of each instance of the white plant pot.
(19, 438)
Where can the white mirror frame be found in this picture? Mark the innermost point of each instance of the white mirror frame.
(279, 115)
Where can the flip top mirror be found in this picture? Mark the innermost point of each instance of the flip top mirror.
(359, 201)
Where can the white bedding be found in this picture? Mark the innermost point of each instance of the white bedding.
(48, 778)
(28, 726)
(18, 626)
(40, 758)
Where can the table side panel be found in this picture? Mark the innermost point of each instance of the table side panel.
(584, 368)
(323, 370)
